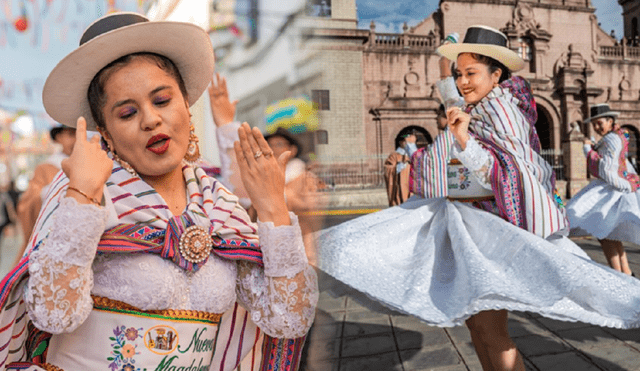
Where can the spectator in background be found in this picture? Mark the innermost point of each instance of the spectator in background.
(397, 169)
(441, 118)
(31, 200)
(8, 212)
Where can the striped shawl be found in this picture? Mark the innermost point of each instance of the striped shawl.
(136, 213)
(503, 123)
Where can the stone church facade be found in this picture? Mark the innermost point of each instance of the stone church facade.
(378, 83)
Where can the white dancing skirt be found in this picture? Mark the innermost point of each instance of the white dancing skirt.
(600, 210)
(444, 261)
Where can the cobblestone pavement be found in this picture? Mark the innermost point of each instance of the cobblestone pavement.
(349, 337)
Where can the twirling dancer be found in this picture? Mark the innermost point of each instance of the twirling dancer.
(609, 207)
(497, 242)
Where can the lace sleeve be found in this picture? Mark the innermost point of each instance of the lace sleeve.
(476, 159)
(60, 277)
(283, 296)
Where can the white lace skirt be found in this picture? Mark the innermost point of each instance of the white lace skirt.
(445, 261)
(602, 211)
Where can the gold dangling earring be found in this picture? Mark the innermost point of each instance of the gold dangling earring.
(193, 151)
(125, 165)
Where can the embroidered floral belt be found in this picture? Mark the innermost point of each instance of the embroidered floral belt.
(463, 186)
(118, 336)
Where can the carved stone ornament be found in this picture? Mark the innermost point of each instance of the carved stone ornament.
(524, 19)
(624, 85)
(411, 78)
(195, 244)
(570, 59)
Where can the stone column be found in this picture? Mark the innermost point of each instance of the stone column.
(575, 162)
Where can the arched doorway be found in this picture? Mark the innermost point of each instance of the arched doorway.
(544, 128)
(634, 145)
(423, 138)
(548, 151)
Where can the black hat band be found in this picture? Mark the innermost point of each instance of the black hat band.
(107, 24)
(479, 35)
(600, 110)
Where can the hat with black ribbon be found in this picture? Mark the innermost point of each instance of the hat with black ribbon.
(114, 36)
(485, 41)
(600, 110)
(55, 130)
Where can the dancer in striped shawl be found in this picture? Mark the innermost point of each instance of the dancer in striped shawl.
(609, 207)
(469, 258)
(139, 260)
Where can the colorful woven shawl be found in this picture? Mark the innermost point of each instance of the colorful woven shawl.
(523, 182)
(140, 221)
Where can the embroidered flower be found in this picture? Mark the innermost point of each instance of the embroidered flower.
(131, 334)
(128, 351)
(117, 331)
(128, 367)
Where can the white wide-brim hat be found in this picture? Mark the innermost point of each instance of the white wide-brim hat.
(600, 110)
(486, 41)
(113, 36)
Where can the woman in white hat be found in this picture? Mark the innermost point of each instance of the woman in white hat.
(496, 242)
(139, 259)
(609, 207)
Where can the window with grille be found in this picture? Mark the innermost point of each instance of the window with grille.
(321, 99)
(525, 51)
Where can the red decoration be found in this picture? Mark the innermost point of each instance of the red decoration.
(21, 24)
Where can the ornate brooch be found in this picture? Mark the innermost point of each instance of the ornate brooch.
(195, 244)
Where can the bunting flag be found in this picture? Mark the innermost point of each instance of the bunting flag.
(40, 18)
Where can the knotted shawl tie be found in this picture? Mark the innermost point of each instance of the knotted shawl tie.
(128, 238)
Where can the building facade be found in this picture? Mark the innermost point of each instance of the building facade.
(571, 64)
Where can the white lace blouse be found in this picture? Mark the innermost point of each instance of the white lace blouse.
(65, 271)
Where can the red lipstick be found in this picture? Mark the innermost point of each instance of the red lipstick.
(158, 144)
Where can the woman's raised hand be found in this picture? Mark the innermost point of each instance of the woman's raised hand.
(458, 122)
(222, 109)
(88, 167)
(262, 175)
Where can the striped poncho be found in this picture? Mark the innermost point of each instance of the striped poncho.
(428, 177)
(503, 123)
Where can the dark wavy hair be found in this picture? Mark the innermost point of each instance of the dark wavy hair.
(493, 65)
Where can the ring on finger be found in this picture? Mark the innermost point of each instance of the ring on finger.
(258, 154)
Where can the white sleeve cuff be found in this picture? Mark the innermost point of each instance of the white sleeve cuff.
(75, 232)
(473, 157)
(282, 248)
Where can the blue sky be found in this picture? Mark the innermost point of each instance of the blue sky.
(390, 15)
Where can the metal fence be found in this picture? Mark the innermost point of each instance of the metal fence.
(554, 157)
(361, 172)
(367, 172)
